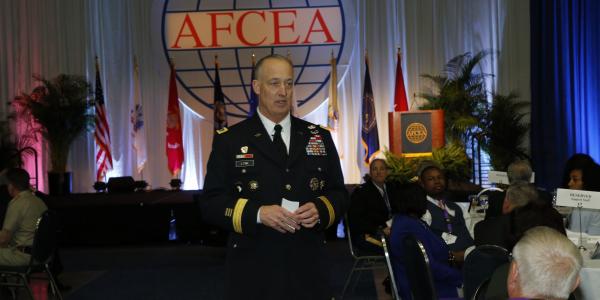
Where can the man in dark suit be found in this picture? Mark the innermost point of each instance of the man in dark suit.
(372, 204)
(275, 182)
(446, 216)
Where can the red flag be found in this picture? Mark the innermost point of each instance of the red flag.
(102, 133)
(400, 101)
(174, 145)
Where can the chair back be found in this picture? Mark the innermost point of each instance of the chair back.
(353, 250)
(44, 240)
(390, 266)
(418, 272)
(480, 291)
(479, 266)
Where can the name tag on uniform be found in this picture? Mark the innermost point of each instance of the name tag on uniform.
(449, 238)
(244, 163)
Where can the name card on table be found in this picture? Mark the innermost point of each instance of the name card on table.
(577, 198)
(502, 177)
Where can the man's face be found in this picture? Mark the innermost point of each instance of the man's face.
(433, 182)
(275, 89)
(378, 172)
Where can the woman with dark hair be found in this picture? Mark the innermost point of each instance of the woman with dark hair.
(408, 222)
(585, 178)
(576, 162)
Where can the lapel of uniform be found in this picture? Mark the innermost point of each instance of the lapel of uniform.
(261, 140)
(298, 141)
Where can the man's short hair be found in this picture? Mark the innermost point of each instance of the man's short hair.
(427, 165)
(521, 193)
(18, 177)
(519, 170)
(261, 61)
(548, 263)
(378, 160)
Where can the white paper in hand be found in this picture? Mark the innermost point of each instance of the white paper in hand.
(291, 206)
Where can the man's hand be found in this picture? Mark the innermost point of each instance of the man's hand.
(307, 214)
(279, 218)
(387, 231)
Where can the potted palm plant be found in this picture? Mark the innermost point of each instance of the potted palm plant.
(62, 108)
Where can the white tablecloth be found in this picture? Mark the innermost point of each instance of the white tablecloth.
(589, 289)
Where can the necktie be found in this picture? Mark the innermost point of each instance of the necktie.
(387, 202)
(279, 144)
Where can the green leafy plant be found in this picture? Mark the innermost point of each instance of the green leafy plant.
(62, 108)
(504, 131)
(461, 93)
(452, 158)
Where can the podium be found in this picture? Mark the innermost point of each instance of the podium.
(416, 133)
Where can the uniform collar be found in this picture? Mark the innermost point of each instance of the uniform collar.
(269, 125)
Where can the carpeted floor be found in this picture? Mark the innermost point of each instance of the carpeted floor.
(176, 271)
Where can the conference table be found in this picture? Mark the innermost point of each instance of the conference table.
(590, 273)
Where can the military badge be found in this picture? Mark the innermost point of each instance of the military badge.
(253, 185)
(312, 126)
(322, 184)
(244, 149)
(314, 184)
(242, 156)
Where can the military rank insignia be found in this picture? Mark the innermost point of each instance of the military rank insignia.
(316, 146)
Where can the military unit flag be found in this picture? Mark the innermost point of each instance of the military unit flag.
(400, 100)
(332, 106)
(369, 135)
(138, 133)
(174, 142)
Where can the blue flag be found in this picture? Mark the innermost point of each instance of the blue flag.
(369, 135)
(220, 113)
(253, 101)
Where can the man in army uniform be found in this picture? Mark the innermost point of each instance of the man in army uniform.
(275, 182)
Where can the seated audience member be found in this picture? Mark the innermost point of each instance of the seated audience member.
(545, 265)
(372, 204)
(408, 221)
(522, 209)
(446, 217)
(519, 170)
(587, 178)
(496, 231)
(576, 162)
(16, 236)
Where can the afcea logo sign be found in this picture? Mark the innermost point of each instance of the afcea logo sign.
(274, 27)
(194, 32)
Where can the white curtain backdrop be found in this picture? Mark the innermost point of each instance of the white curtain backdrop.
(50, 37)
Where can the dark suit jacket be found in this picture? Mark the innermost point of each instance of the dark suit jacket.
(368, 211)
(494, 231)
(243, 174)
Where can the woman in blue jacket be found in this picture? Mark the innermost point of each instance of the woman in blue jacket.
(408, 221)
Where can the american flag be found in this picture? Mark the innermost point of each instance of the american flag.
(102, 133)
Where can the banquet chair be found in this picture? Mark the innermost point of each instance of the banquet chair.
(361, 262)
(479, 266)
(420, 279)
(390, 266)
(44, 246)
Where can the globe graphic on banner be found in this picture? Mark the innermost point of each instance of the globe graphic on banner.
(195, 66)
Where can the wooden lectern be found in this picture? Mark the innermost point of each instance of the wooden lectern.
(416, 133)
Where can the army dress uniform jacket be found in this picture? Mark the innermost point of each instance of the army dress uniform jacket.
(244, 173)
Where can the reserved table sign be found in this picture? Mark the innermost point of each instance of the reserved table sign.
(500, 177)
(577, 198)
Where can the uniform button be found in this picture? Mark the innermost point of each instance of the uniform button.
(243, 171)
(287, 170)
(234, 245)
(319, 169)
(288, 187)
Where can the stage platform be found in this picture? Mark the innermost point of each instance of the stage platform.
(128, 218)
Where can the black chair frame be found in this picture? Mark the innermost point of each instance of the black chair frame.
(42, 252)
